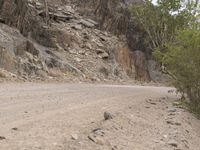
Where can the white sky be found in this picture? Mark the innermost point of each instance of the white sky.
(154, 2)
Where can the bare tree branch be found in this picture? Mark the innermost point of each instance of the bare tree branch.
(47, 12)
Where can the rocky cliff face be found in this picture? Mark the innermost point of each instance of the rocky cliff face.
(68, 45)
(89, 39)
(115, 16)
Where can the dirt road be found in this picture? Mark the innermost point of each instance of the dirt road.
(62, 116)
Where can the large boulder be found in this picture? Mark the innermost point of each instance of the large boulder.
(123, 55)
(155, 72)
(141, 66)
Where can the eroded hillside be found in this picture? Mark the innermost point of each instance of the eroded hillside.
(87, 40)
(67, 44)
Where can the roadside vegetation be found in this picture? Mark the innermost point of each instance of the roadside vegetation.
(173, 35)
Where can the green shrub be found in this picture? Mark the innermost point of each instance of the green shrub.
(183, 61)
(173, 35)
(159, 22)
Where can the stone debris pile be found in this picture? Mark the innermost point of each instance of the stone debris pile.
(63, 44)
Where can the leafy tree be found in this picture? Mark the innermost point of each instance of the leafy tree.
(161, 22)
(173, 34)
(183, 60)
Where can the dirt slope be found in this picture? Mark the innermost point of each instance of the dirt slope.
(47, 116)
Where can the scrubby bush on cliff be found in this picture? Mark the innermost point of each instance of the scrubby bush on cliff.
(161, 21)
(182, 59)
(173, 34)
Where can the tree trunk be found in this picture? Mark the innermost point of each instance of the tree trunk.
(47, 12)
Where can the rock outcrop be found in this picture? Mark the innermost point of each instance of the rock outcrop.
(115, 16)
(92, 39)
(69, 44)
